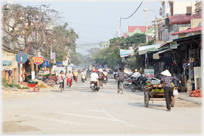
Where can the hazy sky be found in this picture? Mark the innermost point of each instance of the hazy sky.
(98, 21)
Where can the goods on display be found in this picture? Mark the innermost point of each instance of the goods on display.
(195, 93)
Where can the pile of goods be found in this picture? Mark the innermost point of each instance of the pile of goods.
(44, 85)
(158, 90)
(195, 93)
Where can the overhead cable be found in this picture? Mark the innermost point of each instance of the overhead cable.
(134, 12)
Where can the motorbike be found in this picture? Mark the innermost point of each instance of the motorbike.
(69, 81)
(138, 83)
(83, 78)
(94, 86)
(127, 83)
(76, 78)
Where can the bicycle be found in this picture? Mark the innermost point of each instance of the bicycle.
(121, 87)
(61, 81)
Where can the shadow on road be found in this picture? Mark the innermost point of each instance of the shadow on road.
(151, 106)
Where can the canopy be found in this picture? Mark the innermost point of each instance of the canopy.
(156, 55)
(148, 48)
(6, 63)
(47, 64)
(196, 29)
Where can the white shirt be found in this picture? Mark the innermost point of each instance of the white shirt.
(94, 77)
(136, 74)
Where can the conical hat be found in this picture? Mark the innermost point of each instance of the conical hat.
(166, 73)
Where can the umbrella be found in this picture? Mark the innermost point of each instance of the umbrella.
(166, 73)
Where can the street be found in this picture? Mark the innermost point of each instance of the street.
(78, 110)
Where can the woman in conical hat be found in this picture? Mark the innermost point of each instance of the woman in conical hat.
(168, 88)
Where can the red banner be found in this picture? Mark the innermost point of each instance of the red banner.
(38, 60)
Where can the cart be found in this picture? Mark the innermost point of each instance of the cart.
(150, 94)
(32, 84)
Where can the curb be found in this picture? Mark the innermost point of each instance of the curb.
(199, 103)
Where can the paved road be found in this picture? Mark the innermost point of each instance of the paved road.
(79, 111)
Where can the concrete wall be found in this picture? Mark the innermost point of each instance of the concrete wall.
(196, 22)
(179, 7)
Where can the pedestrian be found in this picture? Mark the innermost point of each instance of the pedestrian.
(168, 88)
(121, 77)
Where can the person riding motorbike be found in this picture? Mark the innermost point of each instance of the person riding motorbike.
(83, 73)
(105, 74)
(137, 73)
(76, 75)
(101, 75)
(94, 77)
(69, 75)
(61, 77)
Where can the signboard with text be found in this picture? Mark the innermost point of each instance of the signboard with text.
(149, 73)
(38, 60)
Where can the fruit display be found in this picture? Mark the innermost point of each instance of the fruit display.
(158, 90)
(195, 93)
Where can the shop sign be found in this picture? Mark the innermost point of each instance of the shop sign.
(53, 56)
(149, 73)
(124, 53)
(65, 62)
(182, 35)
(38, 60)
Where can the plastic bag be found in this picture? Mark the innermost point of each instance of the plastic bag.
(175, 93)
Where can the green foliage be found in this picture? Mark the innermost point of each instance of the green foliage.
(4, 81)
(111, 56)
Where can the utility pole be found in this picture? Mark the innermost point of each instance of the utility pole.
(146, 24)
(119, 27)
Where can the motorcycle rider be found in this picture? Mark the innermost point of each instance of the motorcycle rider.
(94, 77)
(75, 75)
(61, 77)
(105, 74)
(101, 75)
(121, 77)
(69, 75)
(137, 73)
(83, 73)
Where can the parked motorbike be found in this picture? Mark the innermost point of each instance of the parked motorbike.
(94, 86)
(138, 83)
(127, 83)
(69, 81)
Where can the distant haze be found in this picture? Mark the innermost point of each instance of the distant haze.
(98, 21)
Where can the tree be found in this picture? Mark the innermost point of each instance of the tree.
(27, 27)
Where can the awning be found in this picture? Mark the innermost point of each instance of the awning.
(182, 19)
(156, 55)
(6, 63)
(148, 48)
(196, 29)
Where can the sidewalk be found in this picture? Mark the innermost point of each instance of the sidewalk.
(185, 96)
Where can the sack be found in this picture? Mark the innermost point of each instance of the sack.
(175, 93)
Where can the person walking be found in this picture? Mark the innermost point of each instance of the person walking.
(168, 88)
(121, 77)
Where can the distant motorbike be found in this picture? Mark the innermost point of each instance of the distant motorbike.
(69, 81)
(94, 86)
(83, 78)
(76, 78)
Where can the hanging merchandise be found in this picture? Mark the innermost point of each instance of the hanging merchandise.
(10, 72)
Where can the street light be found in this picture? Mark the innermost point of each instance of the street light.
(155, 20)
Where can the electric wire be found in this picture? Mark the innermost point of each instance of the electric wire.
(134, 12)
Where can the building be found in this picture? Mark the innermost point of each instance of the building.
(131, 30)
(198, 7)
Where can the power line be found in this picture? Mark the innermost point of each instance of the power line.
(134, 12)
